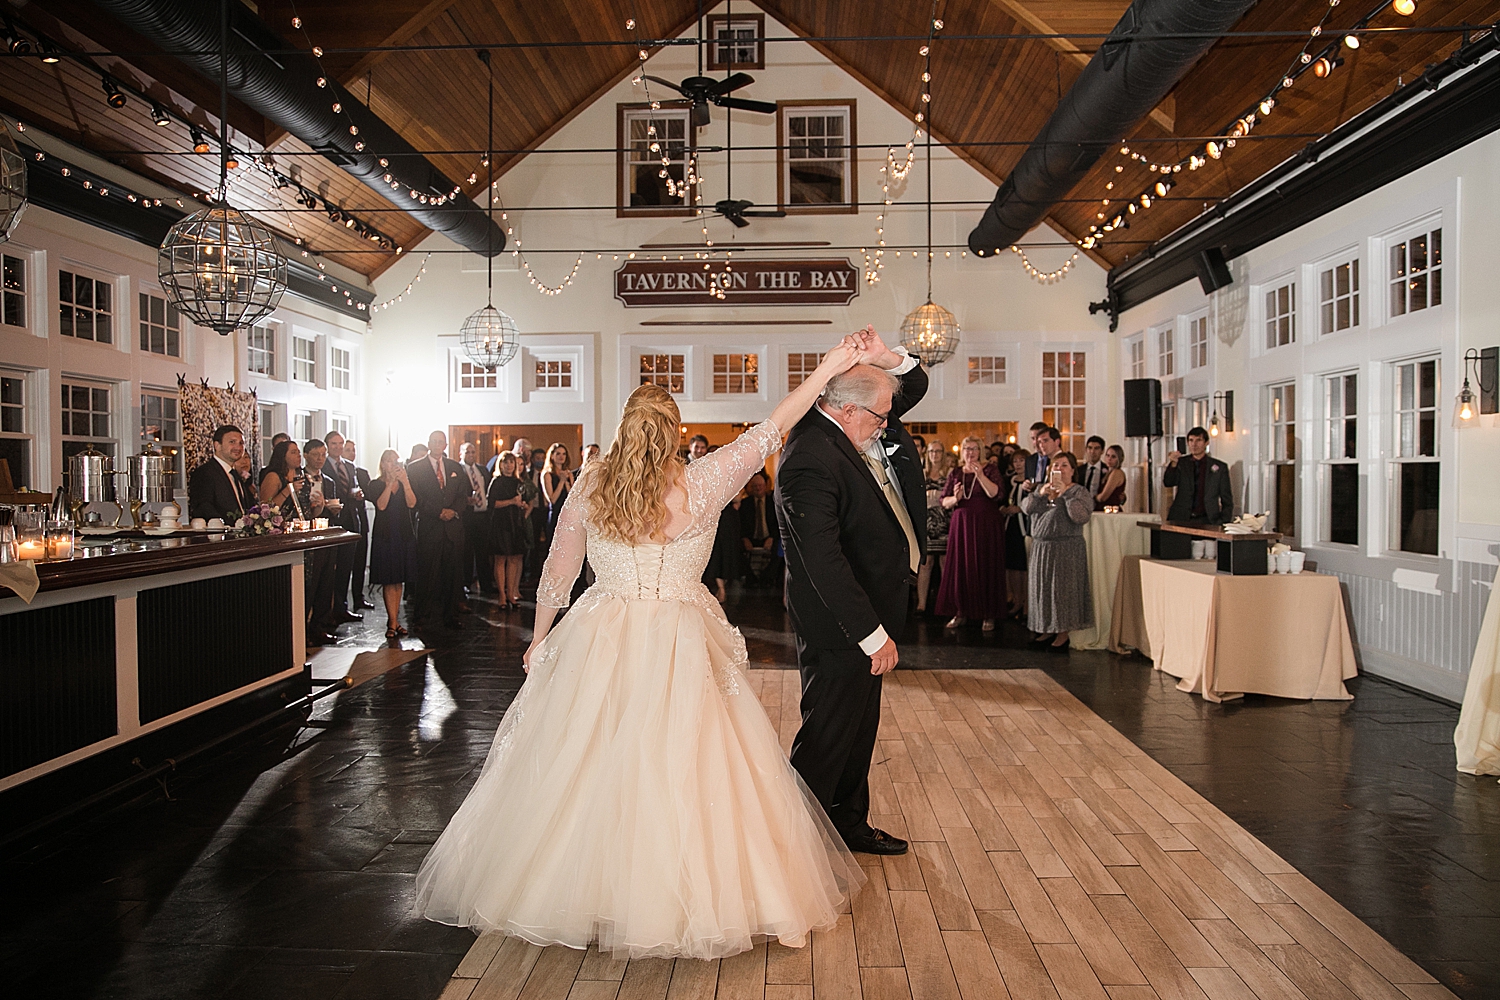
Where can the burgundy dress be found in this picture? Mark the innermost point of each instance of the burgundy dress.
(974, 570)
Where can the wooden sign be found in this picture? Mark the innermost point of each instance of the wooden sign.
(745, 282)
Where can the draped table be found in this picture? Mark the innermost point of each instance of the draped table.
(1477, 738)
(1224, 636)
(1109, 539)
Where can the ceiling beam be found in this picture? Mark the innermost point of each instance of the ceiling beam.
(1164, 114)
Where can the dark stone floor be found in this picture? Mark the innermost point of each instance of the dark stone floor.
(283, 866)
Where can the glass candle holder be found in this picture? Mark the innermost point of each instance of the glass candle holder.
(59, 541)
(31, 535)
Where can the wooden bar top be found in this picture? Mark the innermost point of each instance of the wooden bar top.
(1219, 533)
(101, 560)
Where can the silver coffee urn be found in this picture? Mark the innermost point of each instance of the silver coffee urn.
(146, 480)
(90, 480)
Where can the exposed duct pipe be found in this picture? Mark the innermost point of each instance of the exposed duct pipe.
(1121, 84)
(284, 89)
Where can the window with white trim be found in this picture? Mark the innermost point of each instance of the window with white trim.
(1341, 459)
(161, 427)
(666, 370)
(161, 328)
(1064, 395)
(1281, 315)
(85, 307)
(736, 374)
(16, 438)
(1138, 358)
(986, 369)
(12, 290)
(87, 418)
(342, 423)
(554, 373)
(1198, 342)
(270, 426)
(737, 42)
(1281, 457)
(1338, 297)
(341, 368)
(1199, 407)
(646, 134)
(1416, 472)
(1166, 352)
(799, 365)
(1416, 276)
(304, 359)
(476, 376)
(303, 428)
(816, 156)
(260, 351)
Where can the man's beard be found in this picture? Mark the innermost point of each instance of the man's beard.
(873, 449)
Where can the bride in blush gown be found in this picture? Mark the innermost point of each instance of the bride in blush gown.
(636, 794)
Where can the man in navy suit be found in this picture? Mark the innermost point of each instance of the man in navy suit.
(215, 488)
(442, 491)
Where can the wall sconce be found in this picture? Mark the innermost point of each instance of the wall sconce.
(1223, 402)
(1485, 365)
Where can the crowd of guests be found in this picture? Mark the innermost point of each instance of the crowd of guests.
(1005, 531)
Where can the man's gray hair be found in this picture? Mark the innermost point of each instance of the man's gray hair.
(860, 385)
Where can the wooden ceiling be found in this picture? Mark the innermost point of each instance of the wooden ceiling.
(990, 96)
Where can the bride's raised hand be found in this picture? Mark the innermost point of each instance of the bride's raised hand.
(841, 358)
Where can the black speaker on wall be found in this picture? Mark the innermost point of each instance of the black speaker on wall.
(1142, 407)
(1213, 270)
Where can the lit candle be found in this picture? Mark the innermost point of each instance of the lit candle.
(33, 549)
(60, 547)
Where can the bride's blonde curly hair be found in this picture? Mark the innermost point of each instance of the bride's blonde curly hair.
(629, 483)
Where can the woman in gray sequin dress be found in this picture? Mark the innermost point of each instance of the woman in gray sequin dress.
(1058, 591)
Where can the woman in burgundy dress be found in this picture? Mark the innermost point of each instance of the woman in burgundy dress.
(974, 569)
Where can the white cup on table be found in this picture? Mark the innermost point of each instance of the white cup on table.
(1283, 562)
(1297, 560)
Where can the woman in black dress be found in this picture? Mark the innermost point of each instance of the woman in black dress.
(556, 480)
(393, 541)
(1015, 535)
(507, 530)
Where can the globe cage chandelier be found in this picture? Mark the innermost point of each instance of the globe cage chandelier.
(490, 337)
(219, 267)
(12, 183)
(930, 332)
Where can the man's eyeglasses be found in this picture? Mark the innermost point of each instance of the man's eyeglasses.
(882, 417)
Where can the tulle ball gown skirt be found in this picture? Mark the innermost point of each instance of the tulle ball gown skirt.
(636, 796)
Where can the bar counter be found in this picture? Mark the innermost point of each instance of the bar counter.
(136, 633)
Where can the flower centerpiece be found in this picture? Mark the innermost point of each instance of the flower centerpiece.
(261, 520)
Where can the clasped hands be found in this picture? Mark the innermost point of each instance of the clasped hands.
(862, 347)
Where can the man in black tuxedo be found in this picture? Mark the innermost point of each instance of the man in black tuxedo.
(322, 564)
(759, 532)
(362, 548)
(345, 487)
(853, 522)
(1045, 442)
(442, 492)
(1203, 495)
(215, 489)
(1092, 471)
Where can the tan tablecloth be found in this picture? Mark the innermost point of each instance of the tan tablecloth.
(1127, 622)
(1477, 737)
(20, 577)
(1225, 636)
(1109, 538)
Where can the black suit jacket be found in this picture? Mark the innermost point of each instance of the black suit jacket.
(848, 565)
(746, 515)
(433, 497)
(211, 494)
(362, 477)
(1031, 464)
(1218, 499)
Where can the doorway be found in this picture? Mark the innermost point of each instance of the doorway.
(489, 439)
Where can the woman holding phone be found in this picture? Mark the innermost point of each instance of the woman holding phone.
(1059, 596)
(974, 567)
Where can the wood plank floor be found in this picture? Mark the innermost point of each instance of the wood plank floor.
(1051, 859)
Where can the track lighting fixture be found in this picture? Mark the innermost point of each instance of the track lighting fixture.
(200, 144)
(1351, 41)
(112, 95)
(232, 162)
(50, 55)
(1162, 187)
(1325, 66)
(1406, 8)
(15, 43)
(159, 115)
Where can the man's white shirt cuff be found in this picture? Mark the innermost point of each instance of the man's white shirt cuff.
(872, 643)
(908, 362)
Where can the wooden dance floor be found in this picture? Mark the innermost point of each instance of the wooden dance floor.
(1050, 858)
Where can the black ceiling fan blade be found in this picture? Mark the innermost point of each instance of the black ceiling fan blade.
(738, 220)
(734, 82)
(764, 213)
(764, 107)
(666, 83)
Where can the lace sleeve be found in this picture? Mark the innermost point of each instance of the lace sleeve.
(565, 558)
(721, 475)
(1079, 504)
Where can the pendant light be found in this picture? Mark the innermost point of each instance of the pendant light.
(930, 332)
(489, 337)
(12, 183)
(219, 267)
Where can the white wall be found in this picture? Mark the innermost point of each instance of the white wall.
(410, 371)
(1416, 616)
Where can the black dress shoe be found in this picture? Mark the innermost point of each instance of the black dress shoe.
(365, 604)
(344, 617)
(876, 842)
(321, 639)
